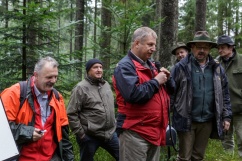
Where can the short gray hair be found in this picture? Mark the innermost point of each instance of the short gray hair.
(40, 64)
(143, 32)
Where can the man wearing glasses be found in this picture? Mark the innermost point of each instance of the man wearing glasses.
(201, 102)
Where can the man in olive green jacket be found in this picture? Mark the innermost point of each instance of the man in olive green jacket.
(91, 113)
(232, 63)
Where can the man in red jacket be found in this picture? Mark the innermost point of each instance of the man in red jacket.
(142, 100)
(40, 125)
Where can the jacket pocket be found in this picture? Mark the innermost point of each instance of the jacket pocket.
(237, 75)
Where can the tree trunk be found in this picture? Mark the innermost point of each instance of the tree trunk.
(229, 16)
(24, 45)
(95, 29)
(59, 26)
(168, 30)
(200, 22)
(31, 40)
(105, 39)
(80, 9)
(123, 45)
(158, 29)
(71, 34)
(40, 38)
(5, 3)
(220, 18)
(147, 18)
(237, 22)
(85, 36)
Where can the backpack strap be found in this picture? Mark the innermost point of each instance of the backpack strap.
(56, 94)
(23, 92)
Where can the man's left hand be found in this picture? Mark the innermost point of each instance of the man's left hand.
(226, 125)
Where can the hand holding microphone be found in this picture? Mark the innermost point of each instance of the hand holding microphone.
(164, 70)
(163, 75)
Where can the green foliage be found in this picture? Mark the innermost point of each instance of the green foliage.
(11, 43)
(32, 29)
(187, 21)
(53, 30)
(126, 18)
(214, 152)
(230, 16)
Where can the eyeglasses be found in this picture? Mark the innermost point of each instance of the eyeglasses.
(205, 48)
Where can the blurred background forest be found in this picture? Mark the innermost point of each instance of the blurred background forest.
(73, 31)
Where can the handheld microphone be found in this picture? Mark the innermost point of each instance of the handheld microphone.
(158, 65)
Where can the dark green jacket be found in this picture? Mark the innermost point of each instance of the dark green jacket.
(203, 93)
(234, 75)
(181, 100)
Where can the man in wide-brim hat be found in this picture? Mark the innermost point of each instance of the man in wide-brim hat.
(180, 50)
(201, 102)
(231, 60)
(201, 46)
(202, 37)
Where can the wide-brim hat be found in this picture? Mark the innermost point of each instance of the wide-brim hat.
(179, 45)
(202, 36)
(224, 39)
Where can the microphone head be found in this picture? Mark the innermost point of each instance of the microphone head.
(158, 65)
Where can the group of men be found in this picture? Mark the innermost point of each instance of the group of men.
(200, 90)
(192, 111)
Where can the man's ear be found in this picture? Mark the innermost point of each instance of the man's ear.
(136, 42)
(231, 47)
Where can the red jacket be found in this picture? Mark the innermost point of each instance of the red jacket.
(25, 120)
(149, 118)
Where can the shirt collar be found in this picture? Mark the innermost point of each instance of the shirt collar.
(142, 61)
(229, 58)
(204, 65)
(37, 93)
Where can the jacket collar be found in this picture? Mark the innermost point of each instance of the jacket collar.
(96, 82)
(133, 57)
